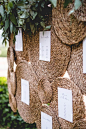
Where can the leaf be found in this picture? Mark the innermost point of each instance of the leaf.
(54, 2)
(2, 10)
(77, 4)
(42, 24)
(33, 14)
(6, 24)
(11, 27)
(13, 19)
(47, 27)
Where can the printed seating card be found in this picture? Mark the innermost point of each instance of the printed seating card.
(65, 109)
(46, 121)
(44, 45)
(25, 91)
(19, 41)
(84, 55)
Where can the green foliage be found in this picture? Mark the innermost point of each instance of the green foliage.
(3, 51)
(28, 14)
(7, 117)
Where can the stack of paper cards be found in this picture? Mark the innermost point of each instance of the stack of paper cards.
(46, 121)
(25, 91)
(65, 109)
(19, 41)
(44, 45)
(84, 55)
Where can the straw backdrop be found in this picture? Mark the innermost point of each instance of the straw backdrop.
(10, 58)
(75, 67)
(29, 113)
(46, 109)
(77, 99)
(81, 124)
(60, 56)
(12, 102)
(67, 28)
(44, 91)
(22, 55)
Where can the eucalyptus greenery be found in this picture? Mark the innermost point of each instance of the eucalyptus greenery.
(27, 14)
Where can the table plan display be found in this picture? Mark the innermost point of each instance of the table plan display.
(44, 45)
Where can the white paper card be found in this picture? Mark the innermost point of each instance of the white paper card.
(46, 121)
(19, 41)
(44, 45)
(25, 91)
(84, 55)
(65, 109)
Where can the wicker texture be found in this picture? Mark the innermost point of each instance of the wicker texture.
(44, 91)
(80, 14)
(46, 109)
(78, 104)
(75, 67)
(81, 124)
(22, 55)
(67, 28)
(60, 55)
(29, 113)
(12, 102)
(10, 58)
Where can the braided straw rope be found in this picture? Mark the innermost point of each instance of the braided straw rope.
(10, 58)
(67, 28)
(12, 102)
(75, 67)
(46, 109)
(44, 91)
(29, 113)
(60, 55)
(80, 14)
(77, 99)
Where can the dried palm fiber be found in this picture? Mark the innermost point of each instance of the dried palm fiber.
(48, 110)
(80, 13)
(60, 55)
(80, 124)
(29, 113)
(11, 81)
(12, 102)
(75, 67)
(10, 58)
(77, 100)
(67, 28)
(44, 91)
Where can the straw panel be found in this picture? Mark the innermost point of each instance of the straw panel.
(60, 55)
(44, 91)
(10, 58)
(29, 113)
(81, 124)
(55, 123)
(11, 81)
(80, 13)
(77, 99)
(67, 28)
(75, 67)
(12, 102)
(22, 55)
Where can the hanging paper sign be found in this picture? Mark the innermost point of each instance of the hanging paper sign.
(44, 45)
(84, 55)
(19, 41)
(46, 121)
(65, 109)
(25, 91)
